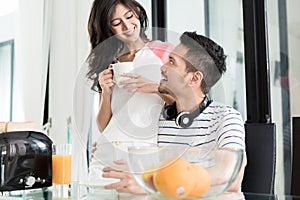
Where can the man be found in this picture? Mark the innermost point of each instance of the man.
(194, 66)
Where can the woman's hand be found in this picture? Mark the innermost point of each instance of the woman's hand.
(94, 148)
(106, 80)
(127, 183)
(138, 83)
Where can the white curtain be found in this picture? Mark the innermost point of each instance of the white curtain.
(83, 116)
(31, 58)
(69, 96)
(54, 33)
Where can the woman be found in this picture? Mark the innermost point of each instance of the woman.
(117, 34)
(126, 20)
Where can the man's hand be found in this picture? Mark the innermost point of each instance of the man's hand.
(127, 183)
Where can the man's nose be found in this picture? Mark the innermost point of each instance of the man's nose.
(163, 68)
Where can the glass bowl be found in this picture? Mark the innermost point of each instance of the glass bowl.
(158, 169)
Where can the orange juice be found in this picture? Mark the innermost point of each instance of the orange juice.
(61, 169)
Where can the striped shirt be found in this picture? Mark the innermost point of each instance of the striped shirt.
(218, 125)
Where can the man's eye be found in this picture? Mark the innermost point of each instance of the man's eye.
(171, 62)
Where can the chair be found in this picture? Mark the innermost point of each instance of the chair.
(295, 182)
(259, 176)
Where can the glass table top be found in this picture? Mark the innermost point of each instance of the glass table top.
(84, 193)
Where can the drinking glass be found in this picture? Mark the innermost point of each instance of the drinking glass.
(61, 170)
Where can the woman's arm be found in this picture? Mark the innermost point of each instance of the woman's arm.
(138, 83)
(104, 114)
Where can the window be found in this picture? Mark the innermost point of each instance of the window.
(6, 79)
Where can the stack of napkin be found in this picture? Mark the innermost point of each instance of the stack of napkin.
(17, 126)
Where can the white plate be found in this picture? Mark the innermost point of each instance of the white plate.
(98, 184)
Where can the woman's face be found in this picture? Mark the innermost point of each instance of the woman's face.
(125, 24)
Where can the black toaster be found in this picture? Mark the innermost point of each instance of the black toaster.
(26, 160)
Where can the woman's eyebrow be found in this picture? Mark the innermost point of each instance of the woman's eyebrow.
(123, 15)
(127, 12)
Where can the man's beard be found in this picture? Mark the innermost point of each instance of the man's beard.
(162, 89)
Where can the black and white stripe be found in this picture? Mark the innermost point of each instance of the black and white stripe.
(218, 125)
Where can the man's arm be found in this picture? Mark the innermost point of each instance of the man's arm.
(232, 134)
(236, 185)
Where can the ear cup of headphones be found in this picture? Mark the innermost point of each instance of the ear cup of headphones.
(170, 111)
(184, 119)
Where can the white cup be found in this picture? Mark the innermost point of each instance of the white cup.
(120, 68)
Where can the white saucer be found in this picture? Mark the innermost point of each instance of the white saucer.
(98, 184)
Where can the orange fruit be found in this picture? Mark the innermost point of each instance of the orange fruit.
(147, 177)
(174, 178)
(202, 181)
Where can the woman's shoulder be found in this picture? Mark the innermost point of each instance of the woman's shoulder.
(161, 49)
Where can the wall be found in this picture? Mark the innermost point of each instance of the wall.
(7, 30)
(183, 16)
(294, 43)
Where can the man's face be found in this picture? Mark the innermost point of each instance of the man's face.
(174, 76)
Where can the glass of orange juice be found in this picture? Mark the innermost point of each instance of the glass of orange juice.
(61, 169)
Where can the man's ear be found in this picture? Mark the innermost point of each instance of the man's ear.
(196, 78)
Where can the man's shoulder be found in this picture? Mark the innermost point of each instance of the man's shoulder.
(219, 107)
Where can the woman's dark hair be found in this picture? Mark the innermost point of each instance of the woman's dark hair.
(99, 27)
(206, 56)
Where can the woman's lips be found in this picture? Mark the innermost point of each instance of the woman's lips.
(130, 32)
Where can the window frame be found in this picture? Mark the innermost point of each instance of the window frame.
(10, 43)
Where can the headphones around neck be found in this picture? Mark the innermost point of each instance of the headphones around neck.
(184, 118)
